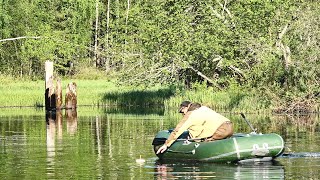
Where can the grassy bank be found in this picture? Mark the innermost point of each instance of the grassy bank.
(233, 99)
(21, 92)
(99, 92)
(31, 93)
(105, 93)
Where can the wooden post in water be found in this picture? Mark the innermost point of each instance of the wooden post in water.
(50, 101)
(58, 94)
(71, 105)
(53, 94)
(71, 96)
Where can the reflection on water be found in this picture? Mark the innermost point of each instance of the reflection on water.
(99, 157)
(301, 155)
(105, 145)
(51, 137)
(72, 121)
(266, 170)
(55, 127)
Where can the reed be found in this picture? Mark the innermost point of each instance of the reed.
(134, 97)
(21, 93)
(231, 100)
(101, 93)
(16, 93)
(105, 93)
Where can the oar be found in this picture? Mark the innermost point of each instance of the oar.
(191, 140)
(244, 117)
(183, 152)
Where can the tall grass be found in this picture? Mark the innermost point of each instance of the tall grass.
(105, 93)
(233, 99)
(21, 92)
(31, 93)
(94, 92)
(135, 97)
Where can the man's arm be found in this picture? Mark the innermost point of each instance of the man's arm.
(178, 130)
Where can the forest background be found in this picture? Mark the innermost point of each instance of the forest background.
(253, 54)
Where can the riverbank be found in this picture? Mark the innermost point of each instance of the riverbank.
(104, 93)
(100, 92)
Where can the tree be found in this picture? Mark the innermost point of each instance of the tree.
(64, 28)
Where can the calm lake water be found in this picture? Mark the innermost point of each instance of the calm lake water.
(105, 144)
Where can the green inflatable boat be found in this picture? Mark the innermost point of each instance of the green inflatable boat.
(239, 147)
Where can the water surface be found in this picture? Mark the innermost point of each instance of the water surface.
(101, 144)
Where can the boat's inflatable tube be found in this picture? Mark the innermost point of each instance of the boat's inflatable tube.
(239, 147)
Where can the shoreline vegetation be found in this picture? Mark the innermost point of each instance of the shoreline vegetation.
(102, 93)
(249, 56)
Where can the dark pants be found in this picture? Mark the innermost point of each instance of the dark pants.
(223, 131)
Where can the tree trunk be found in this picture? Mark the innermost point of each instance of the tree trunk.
(107, 46)
(286, 53)
(22, 37)
(127, 15)
(97, 61)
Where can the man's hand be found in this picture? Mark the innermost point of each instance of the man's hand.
(162, 149)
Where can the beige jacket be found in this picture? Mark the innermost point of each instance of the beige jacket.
(201, 123)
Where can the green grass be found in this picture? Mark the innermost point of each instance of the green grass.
(105, 93)
(31, 93)
(228, 100)
(102, 92)
(99, 92)
(22, 93)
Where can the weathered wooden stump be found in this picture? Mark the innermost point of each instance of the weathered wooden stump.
(53, 93)
(58, 93)
(50, 101)
(71, 96)
(50, 97)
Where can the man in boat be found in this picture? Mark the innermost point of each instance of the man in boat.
(203, 124)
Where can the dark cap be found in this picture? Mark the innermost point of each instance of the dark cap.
(184, 104)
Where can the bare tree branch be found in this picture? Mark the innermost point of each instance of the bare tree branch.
(22, 37)
(202, 75)
(219, 16)
(284, 30)
(224, 7)
(285, 49)
(237, 70)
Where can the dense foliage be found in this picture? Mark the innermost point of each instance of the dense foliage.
(271, 46)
